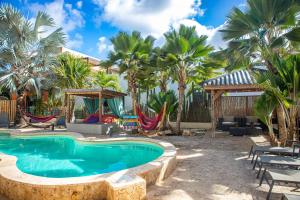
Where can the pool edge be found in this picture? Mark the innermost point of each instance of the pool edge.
(125, 184)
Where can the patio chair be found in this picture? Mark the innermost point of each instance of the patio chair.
(4, 120)
(289, 151)
(290, 197)
(278, 176)
(271, 160)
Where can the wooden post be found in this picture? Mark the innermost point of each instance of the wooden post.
(67, 102)
(215, 95)
(100, 107)
(212, 114)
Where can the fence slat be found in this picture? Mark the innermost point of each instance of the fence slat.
(9, 107)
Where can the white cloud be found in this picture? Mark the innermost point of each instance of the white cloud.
(104, 46)
(65, 16)
(214, 36)
(76, 42)
(79, 4)
(150, 17)
(155, 17)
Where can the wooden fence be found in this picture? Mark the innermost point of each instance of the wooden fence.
(9, 107)
(238, 106)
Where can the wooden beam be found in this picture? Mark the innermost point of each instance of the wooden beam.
(100, 107)
(240, 88)
(218, 94)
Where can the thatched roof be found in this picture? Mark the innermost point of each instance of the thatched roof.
(94, 93)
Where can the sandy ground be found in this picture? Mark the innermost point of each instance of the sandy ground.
(212, 169)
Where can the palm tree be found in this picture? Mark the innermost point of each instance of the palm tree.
(130, 53)
(264, 28)
(72, 72)
(27, 50)
(185, 49)
(105, 80)
(267, 28)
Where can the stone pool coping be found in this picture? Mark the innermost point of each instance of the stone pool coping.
(129, 182)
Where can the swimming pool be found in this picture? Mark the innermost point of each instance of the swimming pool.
(63, 156)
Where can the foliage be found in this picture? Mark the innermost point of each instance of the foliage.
(27, 50)
(156, 102)
(185, 50)
(106, 81)
(71, 72)
(264, 28)
(131, 52)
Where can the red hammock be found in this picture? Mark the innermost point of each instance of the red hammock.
(148, 123)
(38, 118)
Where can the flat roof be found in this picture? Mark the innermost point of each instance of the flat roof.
(94, 93)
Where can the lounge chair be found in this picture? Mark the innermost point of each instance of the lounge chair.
(277, 176)
(271, 160)
(4, 120)
(290, 197)
(289, 151)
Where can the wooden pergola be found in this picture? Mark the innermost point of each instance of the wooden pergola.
(91, 93)
(239, 81)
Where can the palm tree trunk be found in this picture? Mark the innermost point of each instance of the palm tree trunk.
(281, 124)
(293, 133)
(133, 98)
(273, 138)
(180, 106)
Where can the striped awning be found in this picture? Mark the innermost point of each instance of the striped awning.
(242, 77)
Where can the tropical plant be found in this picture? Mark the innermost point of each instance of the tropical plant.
(157, 102)
(71, 72)
(185, 50)
(130, 53)
(284, 86)
(104, 81)
(263, 108)
(27, 50)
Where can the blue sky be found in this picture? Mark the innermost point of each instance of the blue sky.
(89, 24)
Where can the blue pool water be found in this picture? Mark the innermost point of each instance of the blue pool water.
(62, 156)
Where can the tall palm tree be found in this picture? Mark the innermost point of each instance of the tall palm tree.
(27, 50)
(105, 81)
(72, 72)
(130, 53)
(185, 49)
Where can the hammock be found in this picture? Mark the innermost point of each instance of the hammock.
(42, 121)
(39, 118)
(148, 123)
